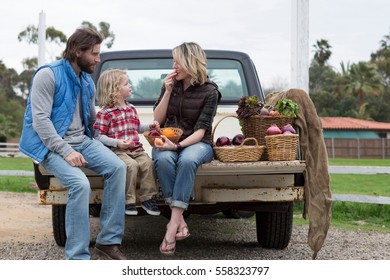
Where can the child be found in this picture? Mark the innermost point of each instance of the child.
(117, 126)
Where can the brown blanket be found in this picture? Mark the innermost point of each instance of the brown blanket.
(318, 198)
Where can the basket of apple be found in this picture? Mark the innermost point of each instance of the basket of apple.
(236, 149)
(255, 117)
(172, 133)
(281, 143)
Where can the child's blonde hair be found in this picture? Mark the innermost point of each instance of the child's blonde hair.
(108, 87)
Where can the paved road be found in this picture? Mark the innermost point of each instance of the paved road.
(16, 173)
(359, 169)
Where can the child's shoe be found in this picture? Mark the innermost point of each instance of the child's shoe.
(131, 210)
(150, 207)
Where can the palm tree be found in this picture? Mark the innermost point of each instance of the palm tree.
(322, 52)
(362, 79)
(382, 59)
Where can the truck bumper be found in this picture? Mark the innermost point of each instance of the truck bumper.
(216, 182)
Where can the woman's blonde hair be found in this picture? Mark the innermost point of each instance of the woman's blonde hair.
(194, 61)
(108, 86)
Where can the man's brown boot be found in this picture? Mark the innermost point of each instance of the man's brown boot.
(108, 252)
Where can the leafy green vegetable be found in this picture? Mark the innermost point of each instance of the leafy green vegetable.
(249, 106)
(287, 107)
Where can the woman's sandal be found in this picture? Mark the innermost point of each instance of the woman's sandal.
(180, 234)
(169, 252)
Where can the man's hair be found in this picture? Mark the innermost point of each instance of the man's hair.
(84, 38)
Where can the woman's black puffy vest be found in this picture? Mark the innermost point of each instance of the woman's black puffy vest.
(185, 108)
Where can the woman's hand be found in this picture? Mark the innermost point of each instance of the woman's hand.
(169, 81)
(164, 144)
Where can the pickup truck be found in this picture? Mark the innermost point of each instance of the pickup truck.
(268, 189)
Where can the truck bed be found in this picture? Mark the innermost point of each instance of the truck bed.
(215, 182)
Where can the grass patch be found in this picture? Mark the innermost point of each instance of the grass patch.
(364, 184)
(358, 162)
(17, 184)
(353, 216)
(16, 164)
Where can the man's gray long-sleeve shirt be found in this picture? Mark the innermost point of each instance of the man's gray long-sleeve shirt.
(42, 92)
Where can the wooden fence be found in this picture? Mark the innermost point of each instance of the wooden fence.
(9, 149)
(358, 148)
(336, 148)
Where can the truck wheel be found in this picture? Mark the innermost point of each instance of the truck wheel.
(233, 213)
(58, 222)
(274, 228)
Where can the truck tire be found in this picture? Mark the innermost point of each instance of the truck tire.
(58, 222)
(274, 228)
(233, 213)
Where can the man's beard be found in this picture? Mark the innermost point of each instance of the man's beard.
(85, 66)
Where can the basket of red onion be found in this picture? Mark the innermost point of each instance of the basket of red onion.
(281, 143)
(236, 149)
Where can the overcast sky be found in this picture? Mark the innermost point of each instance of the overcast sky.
(260, 28)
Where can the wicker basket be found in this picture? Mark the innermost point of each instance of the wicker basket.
(282, 146)
(174, 139)
(241, 153)
(256, 126)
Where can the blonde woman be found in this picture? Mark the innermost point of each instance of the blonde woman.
(189, 101)
(117, 126)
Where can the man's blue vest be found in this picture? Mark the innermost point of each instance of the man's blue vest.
(66, 88)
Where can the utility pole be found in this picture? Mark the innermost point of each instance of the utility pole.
(300, 44)
(41, 39)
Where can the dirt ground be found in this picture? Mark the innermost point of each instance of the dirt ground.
(23, 219)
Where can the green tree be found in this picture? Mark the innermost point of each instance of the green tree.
(321, 75)
(231, 89)
(148, 88)
(8, 78)
(381, 58)
(362, 79)
(104, 28)
(322, 52)
(58, 38)
(8, 127)
(12, 105)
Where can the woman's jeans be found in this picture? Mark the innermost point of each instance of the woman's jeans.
(176, 171)
(112, 216)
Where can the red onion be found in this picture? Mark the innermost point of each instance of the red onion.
(288, 127)
(273, 129)
(263, 112)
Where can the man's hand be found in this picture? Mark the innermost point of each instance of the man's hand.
(76, 159)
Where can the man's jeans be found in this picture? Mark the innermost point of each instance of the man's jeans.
(176, 171)
(112, 216)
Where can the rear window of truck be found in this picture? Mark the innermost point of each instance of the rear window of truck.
(146, 78)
